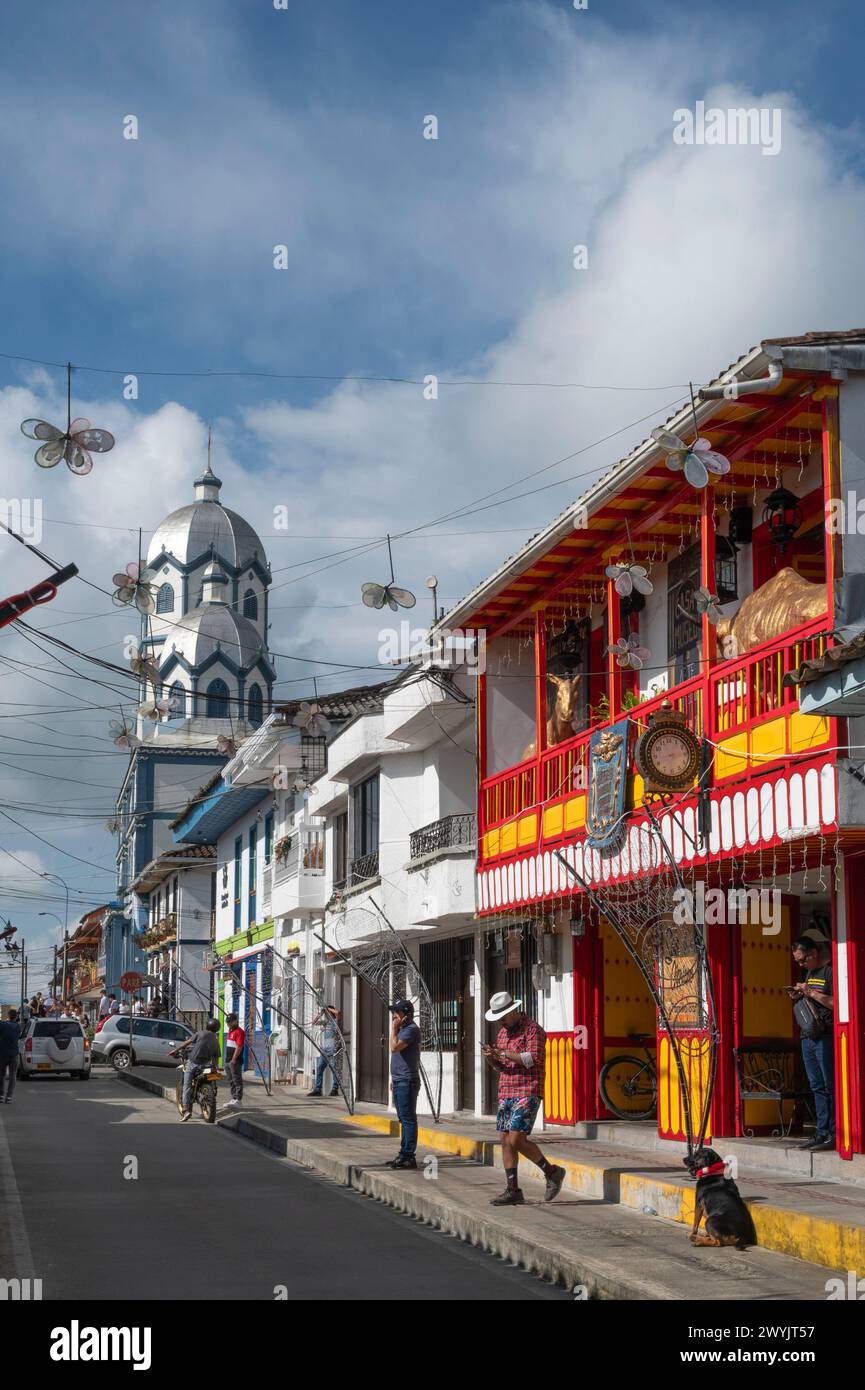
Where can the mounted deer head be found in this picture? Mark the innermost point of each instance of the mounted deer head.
(560, 722)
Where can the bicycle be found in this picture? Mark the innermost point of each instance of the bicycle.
(201, 1093)
(628, 1086)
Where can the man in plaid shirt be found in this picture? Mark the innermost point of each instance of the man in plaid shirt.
(519, 1057)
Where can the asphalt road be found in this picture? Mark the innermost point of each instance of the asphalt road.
(208, 1215)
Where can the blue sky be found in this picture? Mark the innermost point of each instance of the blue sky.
(406, 256)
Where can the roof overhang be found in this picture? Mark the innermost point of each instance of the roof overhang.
(827, 355)
(214, 814)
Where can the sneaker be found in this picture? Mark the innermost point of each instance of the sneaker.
(825, 1143)
(333, 1093)
(232, 1105)
(310, 1094)
(509, 1198)
(555, 1178)
(187, 1115)
(809, 1143)
(404, 1161)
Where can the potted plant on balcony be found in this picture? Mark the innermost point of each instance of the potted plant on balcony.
(282, 849)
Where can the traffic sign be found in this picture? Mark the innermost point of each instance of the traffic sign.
(131, 982)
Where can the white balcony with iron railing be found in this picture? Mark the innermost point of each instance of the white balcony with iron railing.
(440, 874)
(297, 883)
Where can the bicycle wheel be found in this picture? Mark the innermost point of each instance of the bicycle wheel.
(628, 1088)
(206, 1098)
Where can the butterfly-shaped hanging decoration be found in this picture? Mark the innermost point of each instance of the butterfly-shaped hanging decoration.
(112, 826)
(629, 653)
(145, 667)
(123, 734)
(707, 604)
(697, 460)
(626, 578)
(225, 745)
(133, 586)
(157, 710)
(377, 595)
(74, 444)
(311, 719)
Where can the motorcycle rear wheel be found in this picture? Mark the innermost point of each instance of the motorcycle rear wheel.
(207, 1101)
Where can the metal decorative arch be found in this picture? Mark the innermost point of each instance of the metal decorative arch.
(307, 1003)
(369, 944)
(670, 955)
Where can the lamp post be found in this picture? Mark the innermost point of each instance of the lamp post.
(65, 925)
(56, 919)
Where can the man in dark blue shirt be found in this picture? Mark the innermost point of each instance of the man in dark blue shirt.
(10, 1034)
(405, 1079)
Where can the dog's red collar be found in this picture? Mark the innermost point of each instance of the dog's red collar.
(712, 1170)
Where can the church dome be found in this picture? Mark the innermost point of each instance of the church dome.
(205, 526)
(211, 626)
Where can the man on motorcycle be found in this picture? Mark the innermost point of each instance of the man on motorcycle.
(203, 1053)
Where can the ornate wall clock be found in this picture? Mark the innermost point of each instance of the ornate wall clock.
(668, 753)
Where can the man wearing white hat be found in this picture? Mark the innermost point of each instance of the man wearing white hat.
(519, 1057)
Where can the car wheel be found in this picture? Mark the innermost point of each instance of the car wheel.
(83, 1075)
(120, 1059)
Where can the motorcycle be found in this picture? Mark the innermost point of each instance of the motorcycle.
(201, 1093)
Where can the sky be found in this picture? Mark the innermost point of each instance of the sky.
(405, 258)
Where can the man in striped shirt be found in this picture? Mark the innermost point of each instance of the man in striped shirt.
(519, 1057)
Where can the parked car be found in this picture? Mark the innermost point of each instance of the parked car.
(54, 1045)
(152, 1040)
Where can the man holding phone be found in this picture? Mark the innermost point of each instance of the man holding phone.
(519, 1057)
(405, 1040)
(816, 1017)
(235, 1042)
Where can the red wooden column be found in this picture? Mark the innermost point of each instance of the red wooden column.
(848, 960)
(540, 686)
(481, 717)
(707, 575)
(722, 952)
(614, 632)
(587, 985)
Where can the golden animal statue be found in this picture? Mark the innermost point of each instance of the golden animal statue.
(785, 601)
(560, 721)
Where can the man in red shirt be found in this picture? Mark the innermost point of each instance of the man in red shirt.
(235, 1042)
(519, 1057)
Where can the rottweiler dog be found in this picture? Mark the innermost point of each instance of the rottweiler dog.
(728, 1220)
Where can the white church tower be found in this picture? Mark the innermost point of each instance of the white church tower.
(209, 632)
(208, 636)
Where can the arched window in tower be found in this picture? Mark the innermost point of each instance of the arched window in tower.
(177, 694)
(255, 705)
(165, 599)
(217, 700)
(250, 605)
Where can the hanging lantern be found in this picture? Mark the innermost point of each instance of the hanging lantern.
(782, 516)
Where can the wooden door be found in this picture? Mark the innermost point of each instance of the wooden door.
(467, 1022)
(373, 1055)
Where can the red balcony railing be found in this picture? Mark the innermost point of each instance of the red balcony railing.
(731, 697)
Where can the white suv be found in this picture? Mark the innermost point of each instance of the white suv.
(53, 1045)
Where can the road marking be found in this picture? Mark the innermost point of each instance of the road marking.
(13, 1215)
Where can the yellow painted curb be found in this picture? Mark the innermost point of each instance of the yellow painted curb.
(814, 1239)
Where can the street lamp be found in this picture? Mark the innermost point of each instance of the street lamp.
(65, 926)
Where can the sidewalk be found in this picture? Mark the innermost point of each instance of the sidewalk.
(598, 1233)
